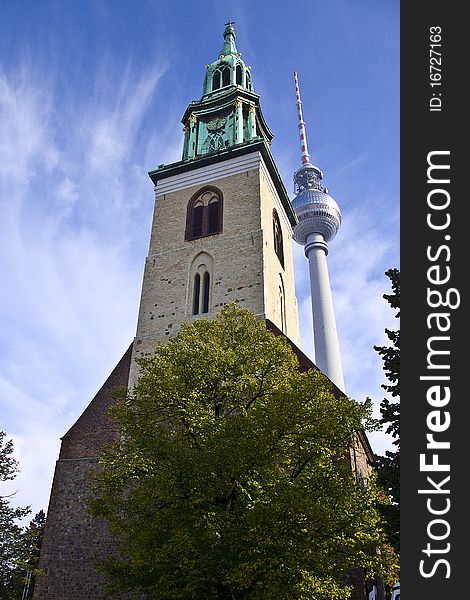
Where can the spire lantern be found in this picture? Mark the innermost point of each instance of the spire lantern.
(229, 112)
(229, 69)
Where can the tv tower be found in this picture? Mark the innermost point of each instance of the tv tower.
(319, 220)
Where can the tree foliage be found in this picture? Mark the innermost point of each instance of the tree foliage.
(12, 548)
(230, 478)
(19, 546)
(388, 466)
(32, 542)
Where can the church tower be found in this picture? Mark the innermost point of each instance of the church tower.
(222, 224)
(221, 232)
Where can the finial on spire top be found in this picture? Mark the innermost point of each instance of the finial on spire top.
(302, 131)
(229, 40)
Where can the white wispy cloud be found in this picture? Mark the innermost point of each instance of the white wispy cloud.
(73, 237)
(75, 208)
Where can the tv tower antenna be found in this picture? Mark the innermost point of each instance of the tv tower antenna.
(319, 219)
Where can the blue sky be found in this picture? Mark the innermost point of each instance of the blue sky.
(91, 97)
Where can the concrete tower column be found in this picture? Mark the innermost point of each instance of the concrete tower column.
(327, 354)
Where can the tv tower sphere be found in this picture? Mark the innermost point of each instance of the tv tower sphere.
(316, 210)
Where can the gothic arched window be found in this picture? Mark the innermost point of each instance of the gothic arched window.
(238, 74)
(204, 214)
(248, 80)
(198, 213)
(200, 270)
(205, 292)
(282, 305)
(216, 80)
(196, 293)
(225, 75)
(213, 213)
(277, 234)
(221, 76)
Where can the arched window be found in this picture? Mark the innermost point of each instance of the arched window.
(199, 297)
(214, 207)
(204, 214)
(216, 80)
(282, 302)
(277, 234)
(225, 76)
(248, 80)
(196, 293)
(238, 74)
(206, 289)
(197, 219)
(201, 303)
(221, 76)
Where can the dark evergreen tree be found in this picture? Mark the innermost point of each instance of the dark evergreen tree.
(388, 466)
(32, 540)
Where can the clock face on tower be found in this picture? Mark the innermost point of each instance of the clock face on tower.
(216, 123)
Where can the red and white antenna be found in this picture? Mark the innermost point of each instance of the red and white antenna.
(302, 132)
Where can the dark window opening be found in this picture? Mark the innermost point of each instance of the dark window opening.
(277, 233)
(248, 80)
(238, 75)
(283, 316)
(204, 214)
(196, 294)
(225, 76)
(197, 220)
(213, 217)
(216, 81)
(206, 284)
(221, 77)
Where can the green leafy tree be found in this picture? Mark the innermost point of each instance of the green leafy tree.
(230, 478)
(388, 466)
(12, 544)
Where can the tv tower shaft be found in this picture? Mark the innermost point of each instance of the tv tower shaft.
(319, 219)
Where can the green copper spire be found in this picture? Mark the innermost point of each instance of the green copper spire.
(228, 70)
(229, 40)
(228, 114)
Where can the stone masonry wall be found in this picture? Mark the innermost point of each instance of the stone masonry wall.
(73, 540)
(245, 268)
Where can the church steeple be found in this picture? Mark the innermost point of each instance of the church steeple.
(229, 112)
(229, 40)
